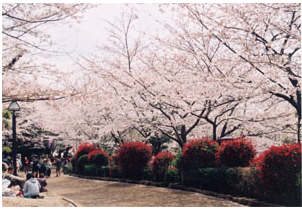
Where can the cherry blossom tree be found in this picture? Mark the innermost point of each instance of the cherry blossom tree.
(25, 40)
(213, 70)
(265, 37)
(186, 85)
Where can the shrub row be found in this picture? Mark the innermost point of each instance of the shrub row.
(274, 176)
(89, 160)
(277, 174)
(200, 153)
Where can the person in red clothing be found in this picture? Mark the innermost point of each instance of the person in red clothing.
(26, 165)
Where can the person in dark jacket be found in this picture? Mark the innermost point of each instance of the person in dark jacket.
(42, 166)
(35, 166)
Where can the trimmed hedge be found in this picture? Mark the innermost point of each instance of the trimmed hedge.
(98, 157)
(133, 157)
(161, 163)
(82, 161)
(199, 153)
(277, 172)
(236, 153)
(95, 170)
(275, 176)
(83, 149)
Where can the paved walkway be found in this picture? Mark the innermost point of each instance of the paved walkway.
(94, 193)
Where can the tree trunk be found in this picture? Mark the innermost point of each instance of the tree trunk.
(298, 94)
(183, 135)
(214, 132)
(299, 128)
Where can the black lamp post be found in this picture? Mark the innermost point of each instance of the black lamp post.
(13, 107)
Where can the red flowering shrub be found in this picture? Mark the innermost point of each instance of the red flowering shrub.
(161, 162)
(278, 169)
(237, 152)
(199, 153)
(133, 157)
(114, 169)
(113, 159)
(98, 157)
(83, 149)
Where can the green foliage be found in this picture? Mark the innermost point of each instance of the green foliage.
(177, 162)
(6, 114)
(73, 164)
(115, 171)
(288, 140)
(173, 175)
(298, 181)
(101, 160)
(6, 150)
(159, 143)
(148, 174)
(90, 170)
(98, 157)
(95, 170)
(7, 124)
(222, 180)
(82, 161)
(70, 168)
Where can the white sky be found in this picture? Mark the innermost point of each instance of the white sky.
(82, 38)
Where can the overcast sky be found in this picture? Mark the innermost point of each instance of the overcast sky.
(82, 38)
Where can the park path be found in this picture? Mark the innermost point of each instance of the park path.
(95, 193)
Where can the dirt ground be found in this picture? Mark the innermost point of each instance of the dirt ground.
(67, 191)
(94, 193)
(50, 199)
(25, 202)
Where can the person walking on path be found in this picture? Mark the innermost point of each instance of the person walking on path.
(19, 162)
(42, 166)
(35, 166)
(48, 167)
(58, 166)
(26, 165)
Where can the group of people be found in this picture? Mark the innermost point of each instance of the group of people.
(35, 181)
(16, 186)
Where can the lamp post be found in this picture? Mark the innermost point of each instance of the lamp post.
(13, 107)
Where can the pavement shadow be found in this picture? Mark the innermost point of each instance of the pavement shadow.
(118, 184)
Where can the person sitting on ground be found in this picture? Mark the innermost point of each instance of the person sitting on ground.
(7, 160)
(4, 166)
(5, 183)
(43, 183)
(14, 189)
(8, 172)
(31, 187)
